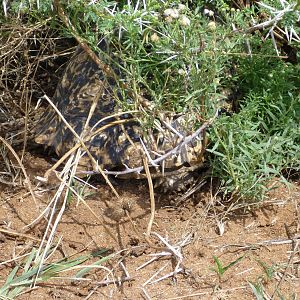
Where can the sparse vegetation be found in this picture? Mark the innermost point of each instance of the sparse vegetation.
(29, 273)
(221, 269)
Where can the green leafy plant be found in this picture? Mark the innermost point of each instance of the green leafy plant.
(269, 270)
(221, 269)
(186, 59)
(257, 290)
(79, 188)
(25, 275)
(261, 141)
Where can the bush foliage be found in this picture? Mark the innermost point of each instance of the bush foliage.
(196, 57)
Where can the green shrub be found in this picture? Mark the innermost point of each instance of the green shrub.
(262, 140)
(190, 64)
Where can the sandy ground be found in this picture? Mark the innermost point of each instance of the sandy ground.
(263, 242)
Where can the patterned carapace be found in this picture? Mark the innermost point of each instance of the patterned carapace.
(118, 145)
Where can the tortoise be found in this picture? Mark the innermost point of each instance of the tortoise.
(117, 148)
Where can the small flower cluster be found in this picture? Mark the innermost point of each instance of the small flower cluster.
(212, 24)
(172, 14)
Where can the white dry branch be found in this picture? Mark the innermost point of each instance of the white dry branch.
(174, 151)
(276, 16)
(174, 252)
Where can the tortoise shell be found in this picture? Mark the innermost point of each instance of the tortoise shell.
(117, 145)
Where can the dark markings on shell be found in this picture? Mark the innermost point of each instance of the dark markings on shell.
(82, 81)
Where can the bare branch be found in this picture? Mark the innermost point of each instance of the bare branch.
(177, 149)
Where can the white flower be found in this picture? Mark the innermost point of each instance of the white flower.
(168, 19)
(212, 26)
(167, 12)
(181, 7)
(181, 72)
(184, 20)
(154, 37)
(208, 12)
(175, 14)
(171, 12)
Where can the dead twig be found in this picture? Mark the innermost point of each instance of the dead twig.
(263, 243)
(18, 234)
(169, 251)
(82, 143)
(27, 180)
(152, 200)
(174, 151)
(295, 246)
(117, 281)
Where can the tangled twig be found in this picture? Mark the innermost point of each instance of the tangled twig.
(28, 182)
(174, 151)
(172, 251)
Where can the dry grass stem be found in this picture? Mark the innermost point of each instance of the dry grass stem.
(27, 180)
(152, 200)
(196, 295)
(96, 166)
(69, 186)
(145, 294)
(290, 262)
(18, 234)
